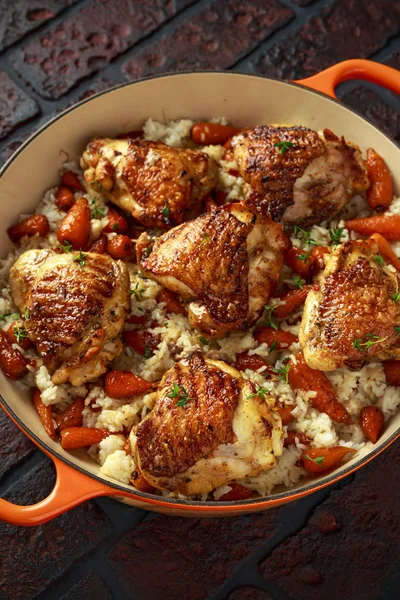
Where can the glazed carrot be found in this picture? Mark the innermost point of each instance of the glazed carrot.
(316, 460)
(208, 203)
(386, 250)
(12, 362)
(285, 411)
(119, 246)
(291, 438)
(99, 246)
(238, 492)
(141, 484)
(116, 222)
(380, 194)
(244, 361)
(16, 333)
(30, 226)
(386, 225)
(64, 199)
(142, 342)
(303, 268)
(270, 336)
(136, 319)
(74, 229)
(392, 371)
(123, 384)
(81, 437)
(70, 180)
(371, 421)
(293, 300)
(212, 133)
(302, 377)
(220, 197)
(72, 415)
(171, 300)
(44, 413)
(317, 255)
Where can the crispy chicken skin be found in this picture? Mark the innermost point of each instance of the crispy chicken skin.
(219, 435)
(297, 176)
(225, 264)
(352, 317)
(154, 182)
(75, 312)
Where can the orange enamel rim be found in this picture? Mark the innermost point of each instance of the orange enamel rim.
(75, 485)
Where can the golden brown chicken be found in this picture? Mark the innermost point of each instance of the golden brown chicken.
(225, 264)
(207, 428)
(353, 317)
(75, 307)
(150, 180)
(296, 175)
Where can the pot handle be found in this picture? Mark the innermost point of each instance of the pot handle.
(71, 488)
(356, 68)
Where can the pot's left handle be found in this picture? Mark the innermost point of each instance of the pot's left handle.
(356, 68)
(71, 488)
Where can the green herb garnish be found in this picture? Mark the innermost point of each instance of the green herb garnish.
(203, 340)
(318, 460)
(298, 281)
(274, 345)
(147, 251)
(304, 257)
(378, 259)
(396, 295)
(27, 314)
(115, 227)
(269, 316)
(336, 234)
(370, 340)
(179, 392)
(4, 316)
(260, 391)
(97, 183)
(148, 352)
(205, 239)
(284, 146)
(97, 212)
(305, 236)
(165, 212)
(20, 333)
(66, 247)
(283, 373)
(80, 258)
(397, 330)
(137, 292)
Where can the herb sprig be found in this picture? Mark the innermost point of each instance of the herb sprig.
(363, 345)
(318, 460)
(284, 146)
(260, 391)
(305, 236)
(97, 212)
(20, 333)
(80, 258)
(283, 372)
(298, 282)
(269, 319)
(336, 234)
(179, 392)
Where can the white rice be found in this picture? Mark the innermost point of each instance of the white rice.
(355, 389)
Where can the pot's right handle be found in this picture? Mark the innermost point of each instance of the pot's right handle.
(356, 68)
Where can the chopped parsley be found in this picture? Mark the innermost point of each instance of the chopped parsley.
(304, 257)
(97, 212)
(378, 259)
(269, 316)
(4, 316)
(205, 239)
(284, 146)
(298, 281)
(148, 352)
(165, 212)
(260, 391)
(370, 340)
(179, 392)
(203, 340)
(305, 236)
(66, 247)
(137, 292)
(336, 234)
(80, 258)
(283, 373)
(318, 460)
(20, 333)
(397, 330)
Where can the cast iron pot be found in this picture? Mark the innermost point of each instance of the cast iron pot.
(244, 100)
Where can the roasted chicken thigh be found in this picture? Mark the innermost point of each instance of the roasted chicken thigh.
(154, 182)
(225, 264)
(353, 317)
(207, 428)
(296, 175)
(75, 307)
